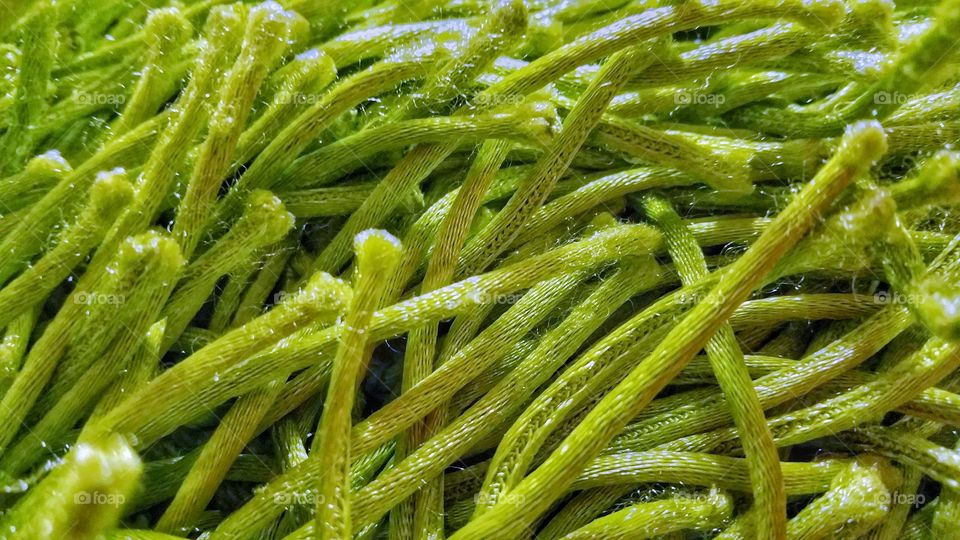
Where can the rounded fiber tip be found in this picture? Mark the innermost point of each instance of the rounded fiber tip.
(946, 159)
(377, 248)
(864, 140)
(49, 164)
(223, 21)
(268, 215)
(161, 16)
(167, 25)
(721, 503)
(870, 14)
(873, 214)
(265, 12)
(938, 307)
(270, 19)
(109, 195)
(323, 71)
(538, 117)
(540, 106)
(889, 474)
(157, 330)
(600, 222)
(656, 208)
(101, 474)
(152, 245)
(312, 54)
(299, 34)
(113, 177)
(943, 181)
(316, 64)
(543, 36)
(107, 460)
(510, 16)
(325, 292)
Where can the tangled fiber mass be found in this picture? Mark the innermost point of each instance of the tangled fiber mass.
(479, 269)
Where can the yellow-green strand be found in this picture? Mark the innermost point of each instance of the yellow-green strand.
(377, 256)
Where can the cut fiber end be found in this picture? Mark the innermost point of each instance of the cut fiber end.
(377, 248)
